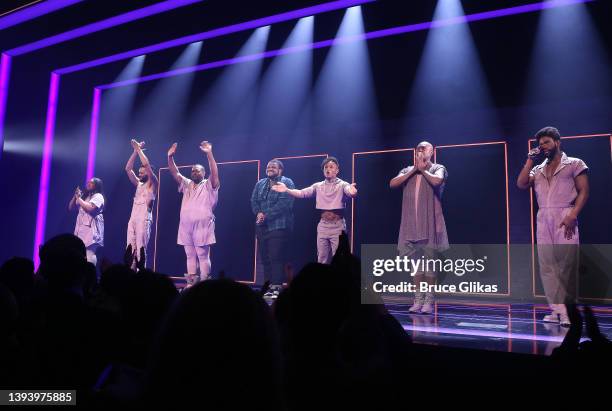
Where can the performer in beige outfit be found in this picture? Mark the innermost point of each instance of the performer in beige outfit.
(422, 229)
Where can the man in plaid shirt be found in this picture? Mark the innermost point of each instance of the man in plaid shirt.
(274, 223)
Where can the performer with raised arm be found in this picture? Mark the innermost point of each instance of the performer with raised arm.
(141, 219)
(89, 225)
(331, 195)
(561, 185)
(196, 231)
(422, 230)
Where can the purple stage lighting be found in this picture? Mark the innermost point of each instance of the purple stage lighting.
(394, 31)
(5, 72)
(71, 35)
(93, 133)
(45, 172)
(273, 53)
(43, 194)
(34, 11)
(223, 31)
(101, 25)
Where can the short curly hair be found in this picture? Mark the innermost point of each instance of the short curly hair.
(551, 132)
(329, 160)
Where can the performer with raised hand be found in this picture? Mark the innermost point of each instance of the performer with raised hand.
(331, 196)
(422, 230)
(196, 231)
(89, 225)
(561, 185)
(141, 218)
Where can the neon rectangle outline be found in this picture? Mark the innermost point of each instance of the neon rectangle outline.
(157, 213)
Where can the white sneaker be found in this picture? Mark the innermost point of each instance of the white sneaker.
(418, 303)
(564, 320)
(551, 318)
(428, 305)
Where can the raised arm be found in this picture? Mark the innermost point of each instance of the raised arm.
(172, 165)
(284, 203)
(303, 193)
(129, 167)
(401, 178)
(73, 200)
(206, 148)
(351, 190)
(88, 206)
(525, 179)
(434, 179)
(144, 160)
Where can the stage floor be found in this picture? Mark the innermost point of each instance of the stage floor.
(486, 326)
(497, 327)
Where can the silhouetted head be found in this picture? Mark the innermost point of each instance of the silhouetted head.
(63, 260)
(218, 346)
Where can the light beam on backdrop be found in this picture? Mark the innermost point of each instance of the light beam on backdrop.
(393, 31)
(115, 110)
(285, 88)
(64, 146)
(569, 62)
(5, 64)
(161, 114)
(344, 100)
(449, 81)
(8, 55)
(228, 105)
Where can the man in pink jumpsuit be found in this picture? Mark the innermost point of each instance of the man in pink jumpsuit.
(562, 188)
(141, 219)
(196, 231)
(331, 195)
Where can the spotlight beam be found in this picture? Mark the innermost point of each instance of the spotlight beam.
(533, 7)
(393, 31)
(5, 61)
(223, 31)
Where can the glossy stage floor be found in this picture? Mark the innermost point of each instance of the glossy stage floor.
(487, 326)
(499, 327)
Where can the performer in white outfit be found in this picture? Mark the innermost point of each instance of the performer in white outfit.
(90, 220)
(197, 223)
(141, 219)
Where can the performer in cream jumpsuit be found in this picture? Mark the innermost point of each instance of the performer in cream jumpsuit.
(197, 223)
(141, 219)
(562, 188)
(331, 195)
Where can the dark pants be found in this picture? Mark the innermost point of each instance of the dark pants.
(272, 249)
